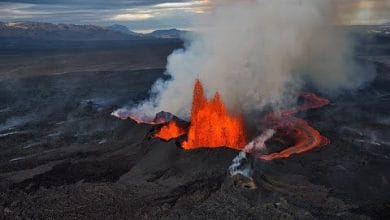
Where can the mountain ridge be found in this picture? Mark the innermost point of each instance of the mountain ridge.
(77, 32)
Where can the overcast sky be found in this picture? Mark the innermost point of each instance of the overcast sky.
(156, 14)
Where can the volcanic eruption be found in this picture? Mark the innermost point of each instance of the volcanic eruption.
(260, 60)
(212, 126)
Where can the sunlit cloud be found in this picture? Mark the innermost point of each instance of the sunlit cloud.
(16, 11)
(131, 17)
(167, 14)
(160, 10)
(156, 14)
(178, 4)
(194, 6)
(363, 12)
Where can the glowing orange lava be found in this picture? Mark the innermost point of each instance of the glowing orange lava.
(211, 124)
(305, 137)
(170, 131)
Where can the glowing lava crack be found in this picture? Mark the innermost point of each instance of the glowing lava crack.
(212, 126)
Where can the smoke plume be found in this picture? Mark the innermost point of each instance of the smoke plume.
(258, 53)
(240, 164)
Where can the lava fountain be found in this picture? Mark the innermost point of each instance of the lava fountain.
(212, 126)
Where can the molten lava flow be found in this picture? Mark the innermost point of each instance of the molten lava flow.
(170, 131)
(305, 137)
(212, 125)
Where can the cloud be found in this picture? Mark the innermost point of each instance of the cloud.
(93, 4)
(363, 11)
(157, 14)
(159, 10)
(193, 6)
(136, 14)
(132, 17)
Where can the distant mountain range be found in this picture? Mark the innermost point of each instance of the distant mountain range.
(122, 29)
(72, 32)
(171, 33)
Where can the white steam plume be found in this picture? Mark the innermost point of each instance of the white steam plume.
(257, 52)
(240, 162)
